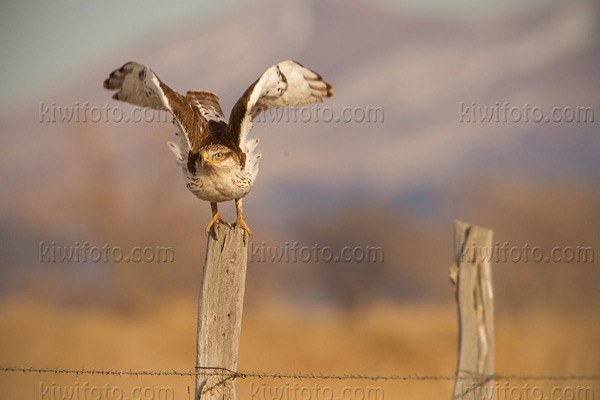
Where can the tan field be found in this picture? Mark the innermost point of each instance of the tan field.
(383, 339)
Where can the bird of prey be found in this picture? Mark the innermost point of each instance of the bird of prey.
(218, 159)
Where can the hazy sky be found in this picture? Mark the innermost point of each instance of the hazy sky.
(45, 42)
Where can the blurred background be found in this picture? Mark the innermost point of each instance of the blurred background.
(395, 183)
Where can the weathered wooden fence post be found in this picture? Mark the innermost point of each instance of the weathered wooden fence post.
(220, 313)
(472, 277)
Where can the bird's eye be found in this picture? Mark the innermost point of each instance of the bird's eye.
(219, 156)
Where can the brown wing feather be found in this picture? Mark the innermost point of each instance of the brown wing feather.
(208, 103)
(238, 114)
(138, 85)
(198, 114)
(287, 84)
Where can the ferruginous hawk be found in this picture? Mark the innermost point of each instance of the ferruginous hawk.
(217, 158)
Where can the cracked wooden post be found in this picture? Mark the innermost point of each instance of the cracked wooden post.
(472, 277)
(220, 313)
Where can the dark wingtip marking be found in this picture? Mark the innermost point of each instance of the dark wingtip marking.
(319, 78)
(117, 76)
(281, 75)
(124, 67)
(329, 90)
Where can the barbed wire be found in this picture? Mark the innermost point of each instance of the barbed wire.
(229, 374)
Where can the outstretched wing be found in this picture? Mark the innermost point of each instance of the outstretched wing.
(139, 85)
(135, 85)
(287, 84)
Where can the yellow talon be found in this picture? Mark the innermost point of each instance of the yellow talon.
(215, 221)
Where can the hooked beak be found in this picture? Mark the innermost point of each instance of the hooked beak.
(204, 161)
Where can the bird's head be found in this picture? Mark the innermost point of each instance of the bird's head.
(217, 157)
